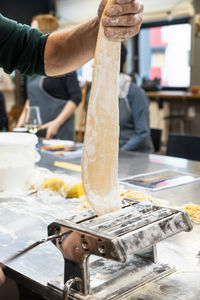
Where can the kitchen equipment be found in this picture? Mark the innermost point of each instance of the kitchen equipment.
(124, 245)
(32, 246)
(17, 160)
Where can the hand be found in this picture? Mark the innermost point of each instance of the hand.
(122, 19)
(2, 277)
(52, 128)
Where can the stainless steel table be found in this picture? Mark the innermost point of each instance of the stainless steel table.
(25, 220)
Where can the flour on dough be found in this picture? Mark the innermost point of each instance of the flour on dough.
(101, 141)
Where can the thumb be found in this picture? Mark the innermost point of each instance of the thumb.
(101, 8)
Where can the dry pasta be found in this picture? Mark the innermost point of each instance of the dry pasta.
(137, 195)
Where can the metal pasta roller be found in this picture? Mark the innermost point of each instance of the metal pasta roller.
(108, 257)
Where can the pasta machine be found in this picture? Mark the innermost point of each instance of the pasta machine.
(110, 256)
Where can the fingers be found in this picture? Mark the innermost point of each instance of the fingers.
(132, 7)
(49, 134)
(121, 33)
(123, 19)
(44, 126)
(123, 27)
(123, 1)
(52, 129)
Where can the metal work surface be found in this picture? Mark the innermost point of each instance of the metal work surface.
(23, 221)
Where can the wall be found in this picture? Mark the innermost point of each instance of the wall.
(195, 53)
(76, 11)
(166, 9)
(23, 11)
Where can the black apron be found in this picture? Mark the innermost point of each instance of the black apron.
(50, 107)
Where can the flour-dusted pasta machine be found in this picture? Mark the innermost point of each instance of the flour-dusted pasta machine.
(110, 256)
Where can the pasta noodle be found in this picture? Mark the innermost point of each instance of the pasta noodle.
(193, 211)
(137, 195)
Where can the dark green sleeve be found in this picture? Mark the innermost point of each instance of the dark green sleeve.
(21, 48)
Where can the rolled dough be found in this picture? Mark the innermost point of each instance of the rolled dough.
(101, 141)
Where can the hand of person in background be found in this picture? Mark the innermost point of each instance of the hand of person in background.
(122, 20)
(54, 125)
(2, 277)
(52, 128)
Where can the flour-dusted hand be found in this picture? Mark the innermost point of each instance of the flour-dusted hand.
(122, 19)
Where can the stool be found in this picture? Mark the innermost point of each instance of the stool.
(182, 119)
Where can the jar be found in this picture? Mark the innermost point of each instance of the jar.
(18, 156)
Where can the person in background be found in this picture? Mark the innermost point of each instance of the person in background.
(2, 277)
(133, 113)
(3, 114)
(57, 97)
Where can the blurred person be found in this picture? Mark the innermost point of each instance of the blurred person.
(133, 113)
(3, 114)
(57, 97)
(2, 277)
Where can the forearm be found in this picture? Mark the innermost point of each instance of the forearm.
(66, 113)
(133, 143)
(67, 50)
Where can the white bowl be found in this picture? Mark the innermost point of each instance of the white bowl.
(17, 160)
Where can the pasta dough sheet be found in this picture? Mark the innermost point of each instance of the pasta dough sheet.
(101, 142)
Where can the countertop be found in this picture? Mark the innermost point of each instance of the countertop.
(24, 220)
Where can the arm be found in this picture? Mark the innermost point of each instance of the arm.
(72, 91)
(67, 50)
(140, 114)
(53, 126)
(122, 21)
(72, 87)
(31, 52)
(22, 48)
(20, 122)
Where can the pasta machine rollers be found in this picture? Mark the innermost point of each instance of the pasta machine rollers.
(110, 256)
